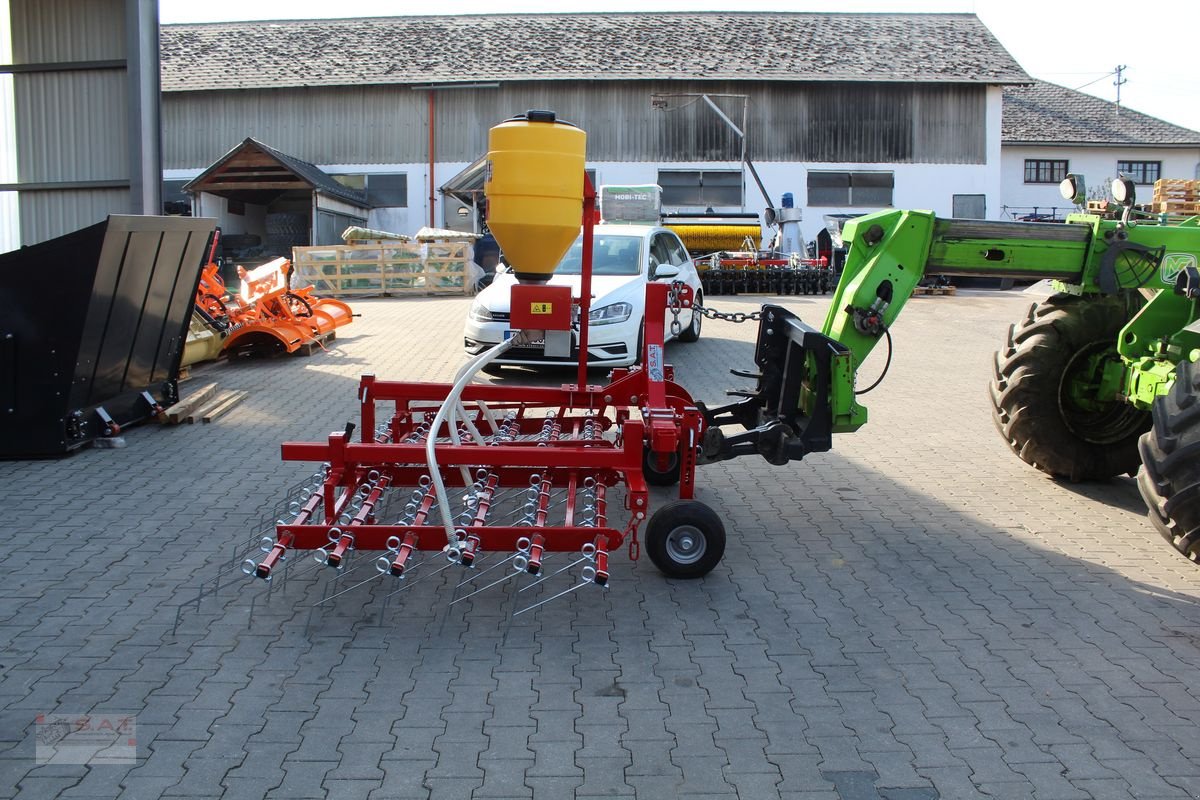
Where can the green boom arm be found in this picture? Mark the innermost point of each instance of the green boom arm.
(806, 385)
(890, 251)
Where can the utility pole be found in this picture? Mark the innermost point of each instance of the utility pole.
(1119, 82)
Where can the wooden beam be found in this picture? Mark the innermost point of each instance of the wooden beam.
(219, 186)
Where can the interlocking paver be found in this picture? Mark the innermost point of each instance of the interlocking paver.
(913, 615)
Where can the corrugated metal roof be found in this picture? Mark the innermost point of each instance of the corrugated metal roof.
(1044, 113)
(947, 48)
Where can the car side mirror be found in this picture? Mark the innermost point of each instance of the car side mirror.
(666, 271)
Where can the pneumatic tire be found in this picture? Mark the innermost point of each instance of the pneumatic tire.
(692, 332)
(685, 539)
(1039, 389)
(1170, 477)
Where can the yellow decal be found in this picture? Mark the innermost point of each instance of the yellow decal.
(541, 308)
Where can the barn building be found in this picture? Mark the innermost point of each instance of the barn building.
(847, 112)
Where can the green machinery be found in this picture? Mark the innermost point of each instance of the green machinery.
(1101, 379)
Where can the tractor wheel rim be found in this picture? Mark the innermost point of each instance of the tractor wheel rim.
(686, 545)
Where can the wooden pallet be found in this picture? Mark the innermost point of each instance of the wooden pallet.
(929, 291)
(385, 268)
(204, 404)
(1183, 207)
(1169, 190)
(188, 403)
(221, 405)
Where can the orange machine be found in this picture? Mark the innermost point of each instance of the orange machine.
(267, 315)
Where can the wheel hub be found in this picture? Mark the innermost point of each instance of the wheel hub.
(1089, 406)
(686, 544)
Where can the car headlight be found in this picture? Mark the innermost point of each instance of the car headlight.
(480, 313)
(607, 315)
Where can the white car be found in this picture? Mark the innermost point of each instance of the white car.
(624, 259)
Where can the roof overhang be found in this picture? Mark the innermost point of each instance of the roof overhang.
(1138, 145)
(254, 172)
(467, 186)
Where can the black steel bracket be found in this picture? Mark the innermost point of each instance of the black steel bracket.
(793, 359)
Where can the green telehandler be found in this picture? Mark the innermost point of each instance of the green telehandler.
(1101, 379)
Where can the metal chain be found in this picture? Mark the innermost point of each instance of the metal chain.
(736, 316)
(710, 313)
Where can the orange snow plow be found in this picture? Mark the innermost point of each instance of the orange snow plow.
(268, 315)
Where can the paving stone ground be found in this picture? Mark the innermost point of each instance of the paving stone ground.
(914, 615)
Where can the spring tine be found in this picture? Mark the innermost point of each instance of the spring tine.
(496, 582)
(419, 578)
(566, 591)
(325, 600)
(558, 571)
(479, 574)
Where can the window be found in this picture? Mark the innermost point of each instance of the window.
(1140, 172)
(841, 189)
(388, 191)
(704, 188)
(969, 206)
(176, 202)
(1042, 170)
(358, 181)
(660, 250)
(677, 251)
(611, 255)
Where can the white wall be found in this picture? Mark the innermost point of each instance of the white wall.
(216, 207)
(1098, 166)
(917, 186)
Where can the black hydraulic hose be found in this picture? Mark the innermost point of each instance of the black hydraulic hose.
(886, 365)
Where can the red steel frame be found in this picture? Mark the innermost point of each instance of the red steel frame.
(544, 447)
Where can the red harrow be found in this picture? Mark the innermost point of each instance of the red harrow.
(522, 472)
(446, 476)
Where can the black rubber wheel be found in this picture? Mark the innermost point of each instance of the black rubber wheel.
(641, 345)
(692, 332)
(1040, 395)
(656, 476)
(1170, 476)
(685, 539)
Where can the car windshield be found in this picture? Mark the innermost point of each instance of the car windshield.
(611, 255)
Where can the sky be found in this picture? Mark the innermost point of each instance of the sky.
(1074, 44)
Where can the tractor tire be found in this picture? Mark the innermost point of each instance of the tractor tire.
(685, 539)
(1058, 345)
(692, 332)
(1170, 476)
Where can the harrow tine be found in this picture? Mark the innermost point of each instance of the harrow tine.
(483, 572)
(558, 571)
(419, 578)
(496, 582)
(553, 597)
(325, 600)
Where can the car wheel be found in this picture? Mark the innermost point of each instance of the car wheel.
(692, 332)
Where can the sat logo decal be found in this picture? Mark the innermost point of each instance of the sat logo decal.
(1175, 263)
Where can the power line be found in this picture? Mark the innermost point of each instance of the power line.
(1102, 77)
